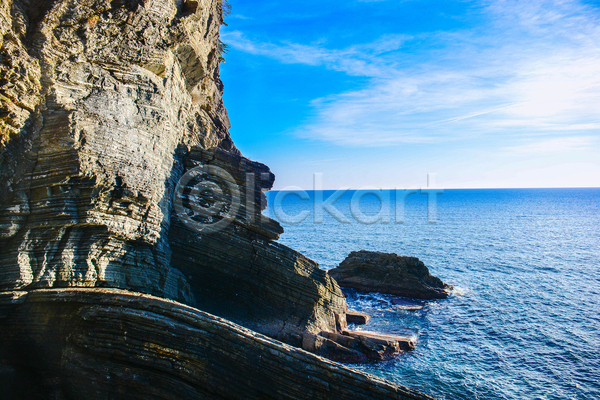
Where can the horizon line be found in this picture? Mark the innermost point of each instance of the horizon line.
(437, 187)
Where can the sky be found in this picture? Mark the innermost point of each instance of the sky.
(379, 93)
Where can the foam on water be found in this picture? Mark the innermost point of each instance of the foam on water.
(523, 318)
(458, 291)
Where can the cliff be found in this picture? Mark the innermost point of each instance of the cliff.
(117, 171)
(108, 104)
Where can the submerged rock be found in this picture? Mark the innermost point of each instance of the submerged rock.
(407, 304)
(373, 271)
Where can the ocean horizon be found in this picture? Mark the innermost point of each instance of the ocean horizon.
(522, 320)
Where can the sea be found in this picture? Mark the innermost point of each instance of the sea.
(523, 319)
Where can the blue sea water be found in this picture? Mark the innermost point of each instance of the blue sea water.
(523, 320)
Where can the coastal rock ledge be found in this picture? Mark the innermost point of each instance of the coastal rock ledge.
(113, 344)
(389, 273)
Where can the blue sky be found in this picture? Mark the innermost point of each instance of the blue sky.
(378, 93)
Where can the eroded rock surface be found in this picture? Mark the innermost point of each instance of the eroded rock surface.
(356, 317)
(373, 271)
(239, 273)
(358, 347)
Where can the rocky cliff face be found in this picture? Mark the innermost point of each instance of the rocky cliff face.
(117, 171)
(105, 106)
(97, 95)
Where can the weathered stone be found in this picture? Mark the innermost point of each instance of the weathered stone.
(334, 347)
(108, 343)
(357, 347)
(237, 272)
(373, 271)
(87, 175)
(355, 317)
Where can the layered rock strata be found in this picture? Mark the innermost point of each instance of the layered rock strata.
(100, 94)
(373, 271)
(238, 272)
(358, 347)
(107, 343)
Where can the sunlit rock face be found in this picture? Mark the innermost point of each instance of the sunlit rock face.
(104, 107)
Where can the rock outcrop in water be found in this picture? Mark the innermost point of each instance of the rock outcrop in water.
(358, 347)
(112, 130)
(373, 271)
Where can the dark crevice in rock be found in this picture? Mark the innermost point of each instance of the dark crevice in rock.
(208, 24)
(35, 11)
(128, 5)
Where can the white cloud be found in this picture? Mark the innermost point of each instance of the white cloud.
(238, 16)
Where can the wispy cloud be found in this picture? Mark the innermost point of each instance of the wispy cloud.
(238, 16)
(556, 145)
(358, 60)
(534, 69)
